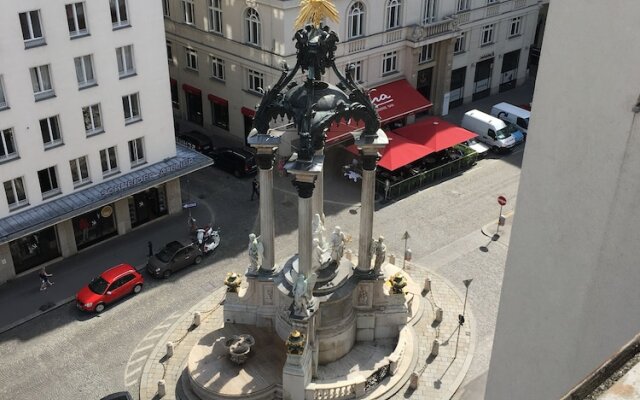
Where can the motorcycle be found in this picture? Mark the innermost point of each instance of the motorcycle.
(208, 239)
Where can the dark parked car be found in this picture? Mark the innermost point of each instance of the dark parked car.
(239, 162)
(118, 396)
(195, 140)
(173, 257)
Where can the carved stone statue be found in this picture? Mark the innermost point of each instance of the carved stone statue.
(303, 293)
(338, 240)
(318, 230)
(316, 262)
(255, 250)
(379, 249)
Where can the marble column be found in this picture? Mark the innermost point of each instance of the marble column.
(305, 185)
(318, 193)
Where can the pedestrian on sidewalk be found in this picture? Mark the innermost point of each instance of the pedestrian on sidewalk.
(255, 189)
(44, 279)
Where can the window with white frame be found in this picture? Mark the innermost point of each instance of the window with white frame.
(486, 36)
(131, 108)
(7, 145)
(3, 97)
(460, 44)
(79, 171)
(256, 81)
(389, 62)
(41, 82)
(192, 58)
(356, 72)
(126, 66)
(16, 195)
(76, 19)
(426, 54)
(516, 26)
(92, 118)
(356, 20)
(48, 178)
(169, 52)
(109, 161)
(84, 71)
(464, 5)
(188, 11)
(394, 10)
(215, 16)
(136, 151)
(165, 8)
(31, 28)
(119, 14)
(50, 130)
(217, 68)
(252, 27)
(429, 12)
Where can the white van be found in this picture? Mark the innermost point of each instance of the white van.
(490, 130)
(510, 113)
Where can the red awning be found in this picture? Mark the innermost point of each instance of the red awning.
(173, 81)
(399, 152)
(342, 132)
(247, 112)
(217, 100)
(397, 99)
(435, 133)
(191, 89)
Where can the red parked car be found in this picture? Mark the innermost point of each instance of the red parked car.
(111, 285)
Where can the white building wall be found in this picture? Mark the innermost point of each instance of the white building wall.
(570, 296)
(146, 35)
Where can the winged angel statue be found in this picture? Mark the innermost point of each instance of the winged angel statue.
(256, 252)
(303, 291)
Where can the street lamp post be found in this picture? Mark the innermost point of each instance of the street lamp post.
(407, 252)
(466, 282)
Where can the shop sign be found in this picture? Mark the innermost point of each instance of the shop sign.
(139, 180)
(382, 101)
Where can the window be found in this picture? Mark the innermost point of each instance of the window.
(131, 108)
(109, 161)
(356, 20)
(169, 52)
(394, 8)
(3, 97)
(188, 8)
(48, 181)
(487, 35)
(92, 119)
(217, 68)
(220, 114)
(76, 19)
(126, 66)
(119, 17)
(215, 16)
(41, 82)
(136, 151)
(16, 196)
(7, 145)
(459, 46)
(79, 171)
(426, 54)
(357, 71)
(389, 62)
(516, 26)
(464, 5)
(256, 81)
(50, 130)
(84, 71)
(175, 101)
(31, 28)
(165, 8)
(252, 26)
(492, 1)
(429, 12)
(192, 58)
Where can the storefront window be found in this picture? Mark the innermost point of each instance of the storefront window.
(32, 250)
(94, 226)
(148, 205)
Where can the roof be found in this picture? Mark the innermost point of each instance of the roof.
(113, 273)
(62, 208)
(435, 133)
(399, 152)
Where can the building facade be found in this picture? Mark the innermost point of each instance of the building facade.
(222, 54)
(87, 148)
(570, 296)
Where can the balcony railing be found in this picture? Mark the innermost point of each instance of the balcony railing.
(493, 10)
(519, 4)
(393, 36)
(423, 32)
(354, 46)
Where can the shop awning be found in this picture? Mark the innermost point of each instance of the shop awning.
(435, 133)
(340, 133)
(81, 201)
(398, 153)
(397, 99)
(191, 89)
(217, 100)
(247, 112)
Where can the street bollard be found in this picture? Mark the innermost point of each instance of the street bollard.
(427, 285)
(197, 318)
(435, 347)
(439, 313)
(169, 349)
(392, 259)
(413, 381)
(162, 389)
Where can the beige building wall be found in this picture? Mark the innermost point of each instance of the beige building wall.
(570, 295)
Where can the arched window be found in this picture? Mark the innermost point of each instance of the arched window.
(393, 14)
(356, 20)
(252, 23)
(429, 12)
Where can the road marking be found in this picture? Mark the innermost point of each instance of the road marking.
(138, 360)
(145, 347)
(135, 371)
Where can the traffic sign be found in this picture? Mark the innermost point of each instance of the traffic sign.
(502, 200)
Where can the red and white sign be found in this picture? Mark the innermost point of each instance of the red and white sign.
(502, 200)
(396, 100)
